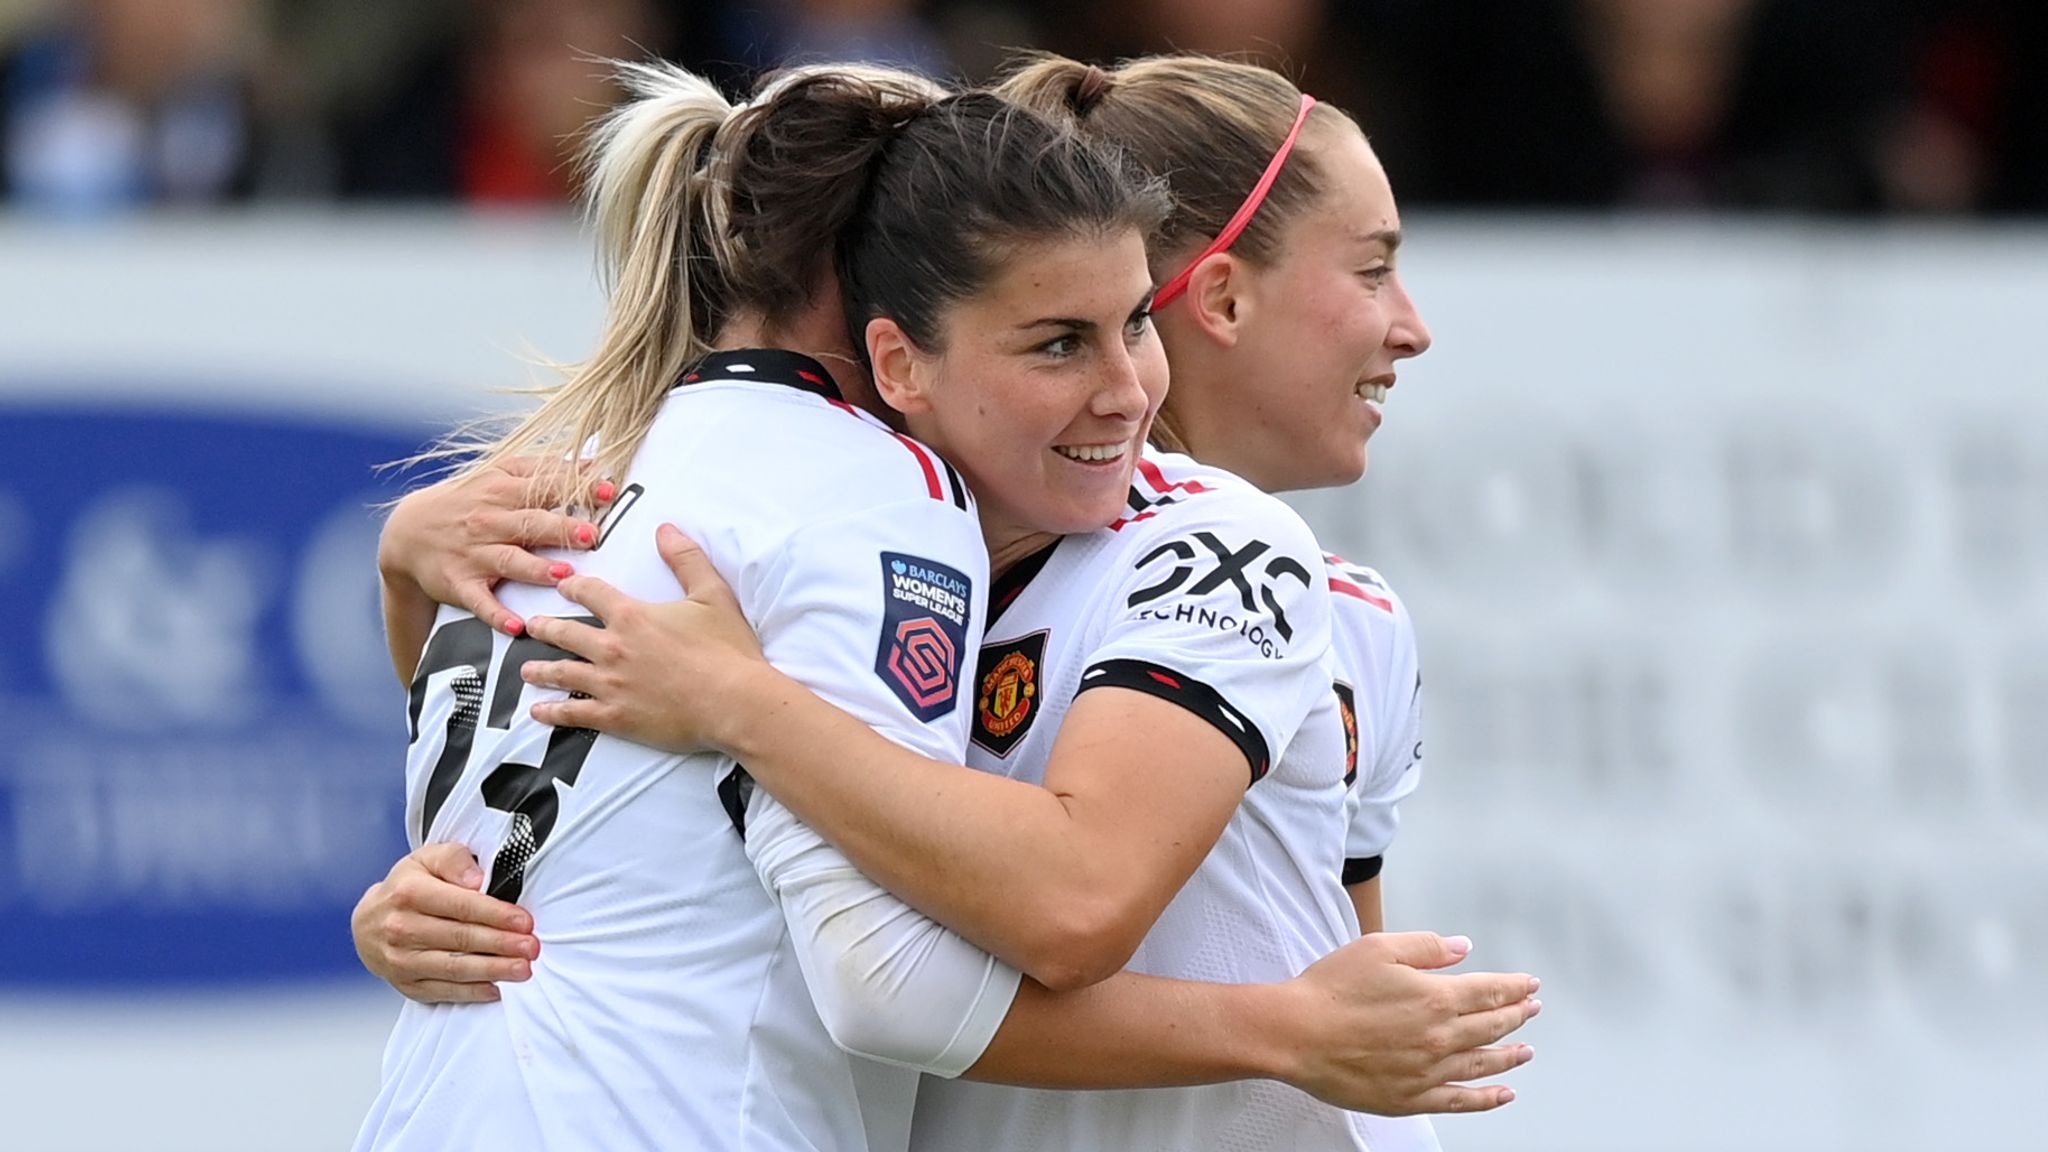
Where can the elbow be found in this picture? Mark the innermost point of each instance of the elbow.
(870, 1013)
(862, 1026)
(870, 1036)
(1083, 943)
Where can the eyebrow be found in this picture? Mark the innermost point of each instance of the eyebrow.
(1076, 324)
(1391, 237)
(1068, 322)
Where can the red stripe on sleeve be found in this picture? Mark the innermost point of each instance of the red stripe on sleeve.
(1349, 589)
(931, 471)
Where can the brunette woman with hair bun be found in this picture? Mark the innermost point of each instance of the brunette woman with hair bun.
(716, 975)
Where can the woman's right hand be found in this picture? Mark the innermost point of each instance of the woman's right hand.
(453, 541)
(428, 932)
(1376, 1031)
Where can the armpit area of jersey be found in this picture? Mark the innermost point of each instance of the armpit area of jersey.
(1189, 693)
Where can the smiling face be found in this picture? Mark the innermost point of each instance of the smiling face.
(1042, 388)
(1291, 391)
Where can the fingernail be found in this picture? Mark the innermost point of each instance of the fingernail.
(586, 535)
(606, 490)
(1507, 1095)
(533, 949)
(560, 571)
(1459, 945)
(492, 994)
(474, 878)
(1535, 985)
(1535, 1006)
(1527, 1054)
(514, 626)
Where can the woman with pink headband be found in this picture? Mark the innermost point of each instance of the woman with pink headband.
(1181, 806)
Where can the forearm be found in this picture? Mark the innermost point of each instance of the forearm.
(1003, 863)
(1137, 1031)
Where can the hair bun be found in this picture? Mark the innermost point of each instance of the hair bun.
(1090, 89)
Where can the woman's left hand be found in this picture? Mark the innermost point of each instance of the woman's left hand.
(666, 675)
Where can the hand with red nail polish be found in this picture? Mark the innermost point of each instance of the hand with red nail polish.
(454, 542)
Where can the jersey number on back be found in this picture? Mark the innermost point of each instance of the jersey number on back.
(525, 791)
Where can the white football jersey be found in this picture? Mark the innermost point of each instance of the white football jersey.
(701, 949)
(1380, 686)
(1380, 694)
(1211, 594)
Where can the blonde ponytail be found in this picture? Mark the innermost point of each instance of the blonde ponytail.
(648, 199)
(702, 211)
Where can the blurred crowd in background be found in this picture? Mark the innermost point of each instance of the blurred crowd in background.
(1806, 106)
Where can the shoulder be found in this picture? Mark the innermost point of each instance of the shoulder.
(1362, 592)
(1211, 548)
(1175, 497)
(1373, 627)
(821, 455)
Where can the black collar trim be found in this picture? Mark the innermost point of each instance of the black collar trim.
(1011, 584)
(769, 365)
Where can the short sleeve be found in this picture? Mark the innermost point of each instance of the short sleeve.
(1224, 611)
(1396, 766)
(876, 613)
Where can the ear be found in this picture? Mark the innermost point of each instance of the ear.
(900, 380)
(1218, 298)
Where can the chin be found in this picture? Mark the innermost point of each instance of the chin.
(1341, 466)
(1091, 517)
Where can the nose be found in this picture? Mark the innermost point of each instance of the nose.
(1409, 336)
(1122, 392)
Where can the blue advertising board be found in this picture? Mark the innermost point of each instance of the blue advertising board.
(201, 739)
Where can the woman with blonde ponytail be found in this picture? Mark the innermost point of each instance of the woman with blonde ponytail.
(715, 975)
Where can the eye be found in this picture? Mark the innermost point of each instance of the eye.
(1135, 327)
(1378, 276)
(1061, 347)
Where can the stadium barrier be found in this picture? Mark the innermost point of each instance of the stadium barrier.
(1727, 545)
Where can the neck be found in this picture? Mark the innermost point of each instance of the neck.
(1006, 546)
(1217, 451)
(1217, 438)
(816, 335)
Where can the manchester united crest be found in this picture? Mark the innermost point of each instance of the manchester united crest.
(1347, 706)
(1008, 692)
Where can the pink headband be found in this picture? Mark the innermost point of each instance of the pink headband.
(1239, 222)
